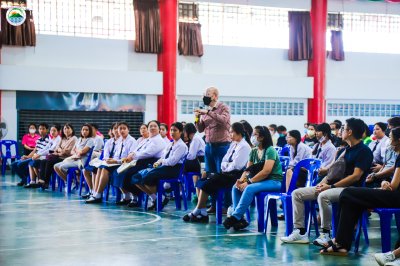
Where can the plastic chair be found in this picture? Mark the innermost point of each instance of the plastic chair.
(285, 151)
(385, 216)
(218, 206)
(311, 165)
(90, 168)
(71, 174)
(175, 182)
(278, 149)
(7, 155)
(189, 185)
(260, 199)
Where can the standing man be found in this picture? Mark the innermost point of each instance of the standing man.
(214, 121)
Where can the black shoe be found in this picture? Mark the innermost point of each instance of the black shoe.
(152, 206)
(242, 224)
(190, 217)
(44, 186)
(133, 204)
(230, 222)
(94, 200)
(281, 217)
(122, 202)
(165, 201)
(30, 185)
(87, 196)
(21, 183)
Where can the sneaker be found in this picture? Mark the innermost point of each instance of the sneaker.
(93, 200)
(383, 258)
(396, 262)
(322, 240)
(86, 196)
(296, 237)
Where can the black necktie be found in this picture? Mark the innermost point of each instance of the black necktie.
(142, 145)
(376, 144)
(318, 152)
(168, 153)
(122, 148)
(112, 150)
(230, 157)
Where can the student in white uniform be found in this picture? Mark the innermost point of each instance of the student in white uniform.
(232, 166)
(163, 133)
(167, 167)
(146, 153)
(124, 144)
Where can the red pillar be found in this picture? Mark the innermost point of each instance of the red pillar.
(317, 66)
(167, 61)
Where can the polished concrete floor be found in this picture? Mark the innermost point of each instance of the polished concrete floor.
(50, 228)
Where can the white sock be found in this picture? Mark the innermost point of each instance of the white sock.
(153, 197)
(203, 211)
(90, 191)
(97, 195)
(196, 211)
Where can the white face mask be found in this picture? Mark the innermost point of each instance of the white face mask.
(311, 133)
(254, 141)
(333, 132)
(32, 131)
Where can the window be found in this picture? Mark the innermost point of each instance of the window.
(252, 108)
(244, 25)
(111, 19)
(363, 110)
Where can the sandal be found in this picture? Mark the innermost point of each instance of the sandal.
(334, 250)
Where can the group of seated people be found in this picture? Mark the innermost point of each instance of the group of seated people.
(251, 165)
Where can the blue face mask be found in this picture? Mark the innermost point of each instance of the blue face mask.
(281, 135)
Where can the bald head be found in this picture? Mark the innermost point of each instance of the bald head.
(212, 91)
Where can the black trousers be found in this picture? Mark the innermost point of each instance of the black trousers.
(353, 201)
(47, 168)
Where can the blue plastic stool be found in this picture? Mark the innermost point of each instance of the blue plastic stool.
(189, 185)
(385, 221)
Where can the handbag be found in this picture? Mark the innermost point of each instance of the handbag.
(257, 167)
(337, 170)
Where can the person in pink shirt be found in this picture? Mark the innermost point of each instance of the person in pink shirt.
(29, 139)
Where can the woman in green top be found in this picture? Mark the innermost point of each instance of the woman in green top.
(366, 137)
(269, 178)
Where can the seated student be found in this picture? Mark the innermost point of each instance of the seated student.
(61, 151)
(298, 151)
(96, 131)
(358, 159)
(378, 146)
(167, 167)
(274, 134)
(282, 136)
(354, 201)
(324, 149)
(310, 138)
(98, 142)
(144, 134)
(196, 151)
(163, 133)
(336, 139)
(29, 139)
(21, 166)
(146, 152)
(109, 150)
(38, 163)
(79, 153)
(366, 138)
(266, 175)
(232, 167)
(113, 155)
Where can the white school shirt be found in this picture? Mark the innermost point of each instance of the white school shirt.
(303, 152)
(151, 148)
(177, 152)
(167, 140)
(51, 146)
(124, 147)
(238, 152)
(327, 153)
(380, 149)
(98, 143)
(196, 148)
(108, 146)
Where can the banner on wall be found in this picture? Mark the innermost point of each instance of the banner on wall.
(80, 101)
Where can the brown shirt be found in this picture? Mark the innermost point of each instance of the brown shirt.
(216, 124)
(65, 147)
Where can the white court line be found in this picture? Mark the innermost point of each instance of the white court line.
(127, 241)
(29, 202)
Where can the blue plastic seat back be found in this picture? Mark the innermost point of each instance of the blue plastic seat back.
(89, 157)
(7, 146)
(312, 165)
(285, 160)
(285, 150)
(278, 149)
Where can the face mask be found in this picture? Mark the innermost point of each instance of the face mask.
(311, 133)
(254, 141)
(32, 131)
(333, 132)
(206, 100)
(281, 135)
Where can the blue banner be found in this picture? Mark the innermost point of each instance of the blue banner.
(80, 101)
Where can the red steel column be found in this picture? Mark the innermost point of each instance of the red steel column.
(317, 66)
(167, 61)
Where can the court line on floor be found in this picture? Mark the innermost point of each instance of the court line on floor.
(29, 202)
(130, 241)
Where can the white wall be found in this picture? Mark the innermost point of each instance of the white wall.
(9, 112)
(363, 7)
